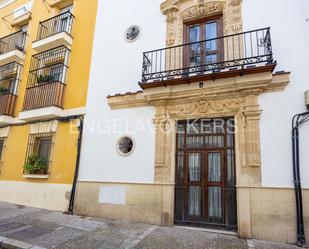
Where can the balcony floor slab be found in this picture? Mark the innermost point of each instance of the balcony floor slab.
(40, 114)
(7, 120)
(12, 56)
(49, 113)
(53, 41)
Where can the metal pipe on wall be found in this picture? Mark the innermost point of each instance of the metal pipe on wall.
(297, 122)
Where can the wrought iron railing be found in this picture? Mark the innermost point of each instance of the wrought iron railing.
(46, 80)
(7, 103)
(9, 81)
(55, 25)
(232, 52)
(48, 66)
(15, 41)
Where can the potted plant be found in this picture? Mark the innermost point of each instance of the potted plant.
(36, 166)
(3, 90)
(42, 79)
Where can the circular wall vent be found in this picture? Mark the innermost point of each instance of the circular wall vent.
(132, 33)
(125, 146)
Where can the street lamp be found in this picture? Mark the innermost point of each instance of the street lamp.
(298, 121)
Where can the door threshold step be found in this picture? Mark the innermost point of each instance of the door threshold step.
(209, 230)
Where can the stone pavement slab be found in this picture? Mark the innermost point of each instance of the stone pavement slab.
(32, 228)
(260, 244)
(177, 238)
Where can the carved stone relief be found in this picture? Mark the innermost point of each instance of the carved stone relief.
(178, 12)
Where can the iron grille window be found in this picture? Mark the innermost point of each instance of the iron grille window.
(49, 67)
(38, 154)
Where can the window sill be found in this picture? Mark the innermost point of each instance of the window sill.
(36, 176)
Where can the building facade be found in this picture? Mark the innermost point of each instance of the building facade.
(45, 55)
(197, 131)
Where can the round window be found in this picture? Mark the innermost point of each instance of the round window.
(125, 146)
(132, 33)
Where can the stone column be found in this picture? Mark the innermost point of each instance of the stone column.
(249, 161)
(164, 134)
(252, 140)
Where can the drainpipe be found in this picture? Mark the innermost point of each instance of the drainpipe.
(297, 122)
(79, 144)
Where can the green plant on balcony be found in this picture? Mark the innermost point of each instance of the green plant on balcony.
(42, 79)
(3, 90)
(36, 166)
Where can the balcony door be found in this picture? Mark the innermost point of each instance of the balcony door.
(203, 48)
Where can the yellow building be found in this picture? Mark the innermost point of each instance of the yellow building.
(45, 55)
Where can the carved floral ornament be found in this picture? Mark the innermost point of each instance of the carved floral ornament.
(203, 9)
(204, 106)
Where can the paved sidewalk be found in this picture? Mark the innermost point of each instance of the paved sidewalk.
(24, 227)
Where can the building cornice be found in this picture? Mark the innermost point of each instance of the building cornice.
(239, 86)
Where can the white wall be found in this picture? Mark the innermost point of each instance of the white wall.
(289, 30)
(116, 68)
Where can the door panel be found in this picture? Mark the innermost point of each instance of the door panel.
(214, 167)
(194, 184)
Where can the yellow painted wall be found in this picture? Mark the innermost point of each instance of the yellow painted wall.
(63, 154)
(64, 149)
(80, 57)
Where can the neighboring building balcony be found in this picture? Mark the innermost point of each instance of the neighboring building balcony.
(9, 81)
(20, 16)
(60, 3)
(54, 32)
(227, 56)
(46, 85)
(12, 48)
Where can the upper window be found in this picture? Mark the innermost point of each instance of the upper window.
(204, 48)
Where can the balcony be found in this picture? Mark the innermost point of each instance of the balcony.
(12, 48)
(228, 56)
(9, 81)
(20, 16)
(46, 85)
(54, 32)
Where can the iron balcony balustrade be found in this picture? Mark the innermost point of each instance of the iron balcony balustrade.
(9, 81)
(55, 25)
(15, 41)
(226, 54)
(46, 80)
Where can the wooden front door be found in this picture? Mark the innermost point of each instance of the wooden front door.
(205, 173)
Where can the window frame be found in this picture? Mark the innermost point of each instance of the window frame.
(33, 146)
(202, 23)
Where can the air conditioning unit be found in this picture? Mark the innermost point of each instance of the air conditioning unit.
(307, 99)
